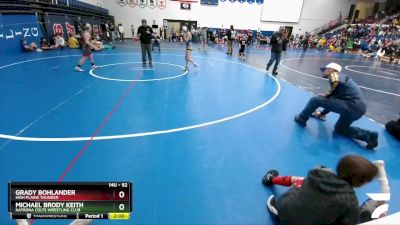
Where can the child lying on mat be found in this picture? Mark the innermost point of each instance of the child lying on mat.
(326, 197)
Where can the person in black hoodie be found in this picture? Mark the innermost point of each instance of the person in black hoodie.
(231, 39)
(323, 197)
(278, 44)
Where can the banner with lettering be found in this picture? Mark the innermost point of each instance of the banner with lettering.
(122, 3)
(64, 24)
(142, 3)
(152, 4)
(132, 3)
(13, 28)
(161, 4)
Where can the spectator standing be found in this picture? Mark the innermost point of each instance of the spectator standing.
(231, 38)
(112, 31)
(121, 32)
(278, 44)
(133, 32)
(306, 41)
(145, 34)
(78, 26)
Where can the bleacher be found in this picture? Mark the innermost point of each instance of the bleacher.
(82, 5)
(48, 6)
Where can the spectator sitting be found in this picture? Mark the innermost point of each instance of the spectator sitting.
(29, 48)
(59, 41)
(44, 45)
(333, 48)
(380, 53)
(372, 49)
(73, 41)
(97, 43)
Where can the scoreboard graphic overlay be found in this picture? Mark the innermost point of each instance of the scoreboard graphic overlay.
(70, 200)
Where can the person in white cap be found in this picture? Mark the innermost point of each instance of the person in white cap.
(344, 98)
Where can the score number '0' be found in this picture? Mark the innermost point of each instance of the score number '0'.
(121, 195)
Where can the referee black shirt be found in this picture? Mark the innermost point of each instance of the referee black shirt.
(145, 33)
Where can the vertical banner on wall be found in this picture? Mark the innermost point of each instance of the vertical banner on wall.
(58, 29)
(55, 25)
(132, 3)
(152, 4)
(70, 28)
(142, 3)
(122, 3)
(161, 4)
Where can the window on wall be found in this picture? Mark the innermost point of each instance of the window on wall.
(282, 10)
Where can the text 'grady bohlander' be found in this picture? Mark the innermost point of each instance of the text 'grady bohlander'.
(42, 194)
(45, 192)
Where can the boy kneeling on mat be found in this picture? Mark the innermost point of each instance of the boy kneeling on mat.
(323, 197)
(344, 98)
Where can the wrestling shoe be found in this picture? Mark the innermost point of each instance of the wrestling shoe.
(78, 69)
(373, 141)
(267, 179)
(272, 208)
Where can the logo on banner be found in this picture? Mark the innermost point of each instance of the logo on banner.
(70, 28)
(161, 4)
(132, 3)
(186, 6)
(251, 1)
(122, 3)
(152, 4)
(260, 2)
(142, 3)
(58, 29)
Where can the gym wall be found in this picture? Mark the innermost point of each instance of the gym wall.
(241, 15)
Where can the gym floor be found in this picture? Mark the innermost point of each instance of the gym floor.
(195, 144)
